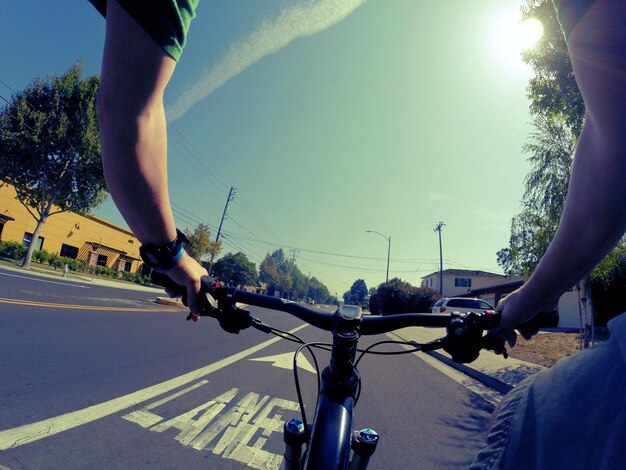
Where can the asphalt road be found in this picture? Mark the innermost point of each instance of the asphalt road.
(97, 377)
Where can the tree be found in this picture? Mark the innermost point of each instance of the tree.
(269, 269)
(558, 110)
(398, 296)
(551, 148)
(553, 91)
(317, 291)
(283, 275)
(200, 245)
(357, 293)
(50, 147)
(237, 270)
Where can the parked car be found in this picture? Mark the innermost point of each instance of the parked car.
(461, 305)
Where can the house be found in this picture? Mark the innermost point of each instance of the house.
(457, 282)
(492, 287)
(83, 237)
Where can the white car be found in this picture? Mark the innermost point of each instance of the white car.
(461, 305)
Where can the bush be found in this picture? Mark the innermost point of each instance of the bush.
(12, 250)
(135, 277)
(397, 296)
(607, 283)
(41, 256)
(73, 264)
(105, 271)
(53, 261)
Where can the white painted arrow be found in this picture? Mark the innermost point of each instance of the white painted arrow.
(285, 361)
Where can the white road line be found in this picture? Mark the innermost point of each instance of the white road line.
(33, 432)
(66, 283)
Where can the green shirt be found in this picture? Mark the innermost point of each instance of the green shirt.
(166, 21)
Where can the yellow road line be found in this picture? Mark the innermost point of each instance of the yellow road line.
(33, 303)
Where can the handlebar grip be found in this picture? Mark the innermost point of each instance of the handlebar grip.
(541, 320)
(163, 280)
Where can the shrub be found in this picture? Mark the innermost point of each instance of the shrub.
(41, 256)
(397, 296)
(73, 264)
(105, 271)
(12, 250)
(135, 277)
(53, 261)
(607, 283)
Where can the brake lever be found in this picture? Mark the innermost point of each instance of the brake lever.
(212, 304)
(494, 341)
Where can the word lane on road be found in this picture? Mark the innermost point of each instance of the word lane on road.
(151, 390)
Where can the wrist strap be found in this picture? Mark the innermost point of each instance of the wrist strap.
(173, 262)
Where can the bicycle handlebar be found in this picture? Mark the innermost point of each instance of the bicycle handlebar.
(233, 319)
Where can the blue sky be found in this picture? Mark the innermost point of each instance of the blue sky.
(330, 117)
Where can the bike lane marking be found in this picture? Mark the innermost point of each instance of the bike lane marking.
(285, 361)
(28, 433)
(234, 424)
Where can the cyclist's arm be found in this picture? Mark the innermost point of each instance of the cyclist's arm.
(133, 134)
(594, 218)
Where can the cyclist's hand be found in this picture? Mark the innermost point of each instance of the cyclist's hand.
(517, 308)
(188, 273)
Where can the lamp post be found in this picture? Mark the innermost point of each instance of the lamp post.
(388, 238)
(438, 229)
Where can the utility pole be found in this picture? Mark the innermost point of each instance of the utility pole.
(293, 254)
(388, 238)
(229, 199)
(438, 229)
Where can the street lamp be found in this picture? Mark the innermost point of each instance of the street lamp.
(388, 238)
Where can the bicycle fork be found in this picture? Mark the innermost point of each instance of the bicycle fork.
(339, 385)
(363, 445)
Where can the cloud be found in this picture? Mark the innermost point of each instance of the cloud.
(305, 19)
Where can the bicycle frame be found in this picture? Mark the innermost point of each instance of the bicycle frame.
(330, 440)
(337, 396)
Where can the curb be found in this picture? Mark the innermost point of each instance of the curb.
(173, 302)
(483, 378)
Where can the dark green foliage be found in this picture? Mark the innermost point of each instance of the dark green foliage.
(553, 91)
(607, 283)
(12, 250)
(50, 147)
(283, 275)
(236, 269)
(357, 293)
(397, 296)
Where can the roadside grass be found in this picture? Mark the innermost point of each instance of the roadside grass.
(548, 348)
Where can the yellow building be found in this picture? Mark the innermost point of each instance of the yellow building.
(83, 237)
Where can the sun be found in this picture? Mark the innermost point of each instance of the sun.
(511, 36)
(527, 33)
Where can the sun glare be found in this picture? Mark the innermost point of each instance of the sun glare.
(528, 33)
(511, 35)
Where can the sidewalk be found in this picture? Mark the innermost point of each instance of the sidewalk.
(490, 369)
(79, 278)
